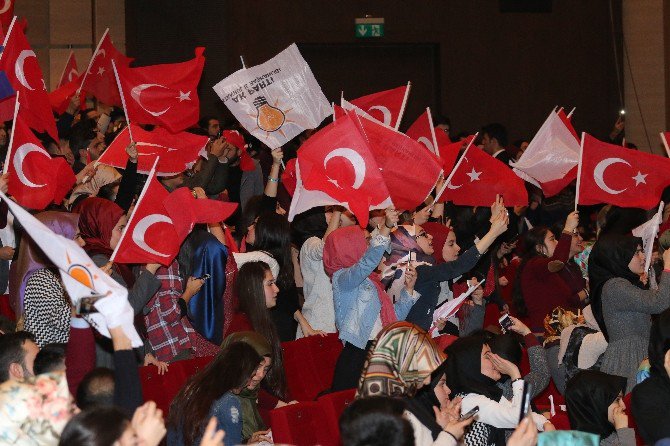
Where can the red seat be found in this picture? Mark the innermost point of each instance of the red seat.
(631, 420)
(309, 364)
(298, 424)
(561, 421)
(332, 405)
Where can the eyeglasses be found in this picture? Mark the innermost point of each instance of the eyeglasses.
(421, 234)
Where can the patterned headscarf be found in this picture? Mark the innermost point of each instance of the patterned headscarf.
(400, 359)
(34, 412)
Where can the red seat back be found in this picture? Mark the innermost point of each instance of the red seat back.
(298, 424)
(309, 364)
(332, 405)
(631, 420)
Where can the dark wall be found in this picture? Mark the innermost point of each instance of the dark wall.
(471, 62)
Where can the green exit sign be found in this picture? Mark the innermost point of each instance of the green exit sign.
(369, 27)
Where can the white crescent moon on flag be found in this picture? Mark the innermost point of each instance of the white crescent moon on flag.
(5, 6)
(426, 142)
(137, 91)
(451, 186)
(356, 161)
(18, 67)
(20, 155)
(141, 229)
(99, 52)
(71, 74)
(599, 172)
(385, 111)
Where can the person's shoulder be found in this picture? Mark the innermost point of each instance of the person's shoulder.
(225, 403)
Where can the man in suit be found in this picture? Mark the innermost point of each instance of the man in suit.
(494, 141)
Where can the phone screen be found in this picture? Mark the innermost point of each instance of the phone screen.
(525, 400)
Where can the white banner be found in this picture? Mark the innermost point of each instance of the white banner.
(277, 100)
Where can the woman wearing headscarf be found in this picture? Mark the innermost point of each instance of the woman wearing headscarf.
(651, 398)
(472, 373)
(399, 363)
(36, 292)
(362, 307)
(595, 404)
(621, 304)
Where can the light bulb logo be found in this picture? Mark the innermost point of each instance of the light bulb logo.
(269, 118)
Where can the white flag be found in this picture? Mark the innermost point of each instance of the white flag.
(450, 308)
(277, 100)
(648, 232)
(81, 277)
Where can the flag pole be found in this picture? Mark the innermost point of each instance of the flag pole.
(404, 103)
(123, 100)
(571, 112)
(65, 67)
(130, 219)
(90, 62)
(665, 144)
(244, 67)
(451, 174)
(579, 170)
(11, 137)
(332, 104)
(559, 109)
(432, 131)
(9, 32)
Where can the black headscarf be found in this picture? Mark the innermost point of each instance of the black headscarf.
(609, 258)
(659, 344)
(464, 369)
(421, 405)
(588, 395)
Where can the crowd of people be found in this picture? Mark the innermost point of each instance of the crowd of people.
(571, 287)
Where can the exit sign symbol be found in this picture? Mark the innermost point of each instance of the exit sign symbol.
(369, 27)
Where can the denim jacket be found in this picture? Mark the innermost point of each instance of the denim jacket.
(357, 304)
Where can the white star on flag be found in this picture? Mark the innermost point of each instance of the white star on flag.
(474, 175)
(184, 96)
(101, 70)
(640, 178)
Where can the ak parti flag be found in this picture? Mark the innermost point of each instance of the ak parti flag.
(623, 177)
(385, 106)
(478, 178)
(70, 72)
(164, 95)
(422, 131)
(35, 179)
(19, 63)
(176, 152)
(99, 79)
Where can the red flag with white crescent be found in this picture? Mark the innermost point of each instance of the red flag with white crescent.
(99, 79)
(6, 12)
(422, 131)
(70, 72)
(385, 106)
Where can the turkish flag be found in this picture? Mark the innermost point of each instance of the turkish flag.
(385, 106)
(479, 178)
(186, 210)
(150, 235)
(177, 151)
(449, 152)
(6, 13)
(35, 179)
(19, 63)
(288, 176)
(337, 161)
(70, 72)
(164, 95)
(615, 175)
(60, 98)
(422, 130)
(409, 170)
(338, 112)
(99, 79)
(665, 137)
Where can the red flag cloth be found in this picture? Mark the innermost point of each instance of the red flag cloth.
(449, 153)
(177, 151)
(615, 175)
(70, 72)
(409, 170)
(338, 112)
(288, 176)
(385, 106)
(235, 138)
(7, 13)
(186, 210)
(165, 94)
(422, 131)
(230, 240)
(35, 179)
(60, 98)
(665, 138)
(99, 80)
(150, 235)
(337, 161)
(480, 177)
(568, 123)
(442, 137)
(19, 63)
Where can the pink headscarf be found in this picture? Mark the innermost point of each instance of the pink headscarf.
(344, 247)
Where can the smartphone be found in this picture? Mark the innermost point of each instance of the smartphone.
(204, 277)
(525, 400)
(86, 305)
(505, 322)
(469, 414)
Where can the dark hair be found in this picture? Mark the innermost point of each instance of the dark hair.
(273, 235)
(82, 134)
(203, 123)
(231, 369)
(251, 211)
(107, 191)
(531, 240)
(659, 344)
(508, 347)
(50, 358)
(98, 426)
(7, 325)
(96, 389)
(376, 420)
(11, 351)
(497, 131)
(251, 297)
